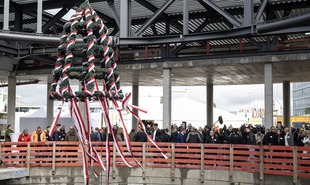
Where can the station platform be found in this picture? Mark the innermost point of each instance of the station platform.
(12, 173)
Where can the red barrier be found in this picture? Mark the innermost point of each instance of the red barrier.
(275, 160)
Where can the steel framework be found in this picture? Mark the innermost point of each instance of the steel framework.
(170, 29)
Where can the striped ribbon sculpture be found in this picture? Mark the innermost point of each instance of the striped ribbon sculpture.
(85, 23)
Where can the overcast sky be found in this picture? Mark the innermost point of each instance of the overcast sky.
(229, 98)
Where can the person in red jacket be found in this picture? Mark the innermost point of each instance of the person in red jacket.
(24, 136)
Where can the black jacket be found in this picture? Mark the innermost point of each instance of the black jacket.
(270, 139)
(140, 137)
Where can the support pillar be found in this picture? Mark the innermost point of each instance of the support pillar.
(185, 17)
(135, 101)
(39, 16)
(11, 101)
(248, 13)
(167, 98)
(268, 95)
(6, 15)
(125, 18)
(286, 104)
(49, 104)
(209, 104)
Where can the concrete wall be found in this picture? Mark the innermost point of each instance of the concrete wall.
(124, 175)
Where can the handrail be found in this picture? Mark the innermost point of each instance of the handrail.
(273, 160)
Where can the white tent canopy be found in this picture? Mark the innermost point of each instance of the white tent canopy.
(38, 118)
(185, 109)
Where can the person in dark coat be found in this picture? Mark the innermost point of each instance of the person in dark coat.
(250, 138)
(300, 138)
(182, 136)
(271, 137)
(132, 134)
(57, 134)
(213, 138)
(140, 136)
(174, 136)
(280, 138)
(7, 133)
(71, 135)
(193, 136)
(165, 136)
(234, 137)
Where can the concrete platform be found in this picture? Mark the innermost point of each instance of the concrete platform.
(12, 173)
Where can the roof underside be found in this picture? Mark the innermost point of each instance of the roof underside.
(203, 19)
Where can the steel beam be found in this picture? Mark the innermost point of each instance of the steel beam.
(114, 12)
(56, 18)
(248, 13)
(110, 21)
(44, 18)
(9, 50)
(285, 23)
(163, 16)
(43, 59)
(201, 27)
(125, 19)
(261, 10)
(6, 14)
(154, 17)
(39, 16)
(185, 17)
(224, 13)
(153, 27)
(52, 4)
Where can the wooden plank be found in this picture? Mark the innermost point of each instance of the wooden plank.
(295, 177)
(28, 157)
(54, 159)
(172, 162)
(114, 161)
(231, 164)
(202, 166)
(261, 166)
(143, 161)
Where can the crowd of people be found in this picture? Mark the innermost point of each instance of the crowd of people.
(246, 134)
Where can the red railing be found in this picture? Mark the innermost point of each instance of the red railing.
(276, 160)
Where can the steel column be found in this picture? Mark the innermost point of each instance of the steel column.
(209, 104)
(185, 17)
(224, 13)
(125, 18)
(286, 104)
(167, 98)
(261, 10)
(6, 14)
(114, 12)
(39, 16)
(11, 100)
(248, 12)
(49, 103)
(154, 17)
(268, 95)
(135, 101)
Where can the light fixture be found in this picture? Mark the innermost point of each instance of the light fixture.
(307, 33)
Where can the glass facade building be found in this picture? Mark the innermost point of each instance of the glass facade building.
(301, 98)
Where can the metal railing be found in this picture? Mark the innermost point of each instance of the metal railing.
(273, 160)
